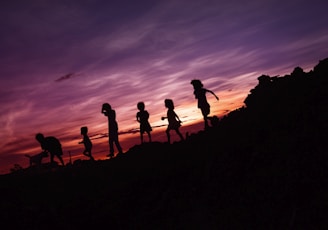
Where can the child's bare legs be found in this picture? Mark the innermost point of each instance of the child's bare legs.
(141, 137)
(168, 136)
(180, 135)
(206, 122)
(58, 156)
(61, 160)
(91, 157)
(205, 112)
(52, 158)
(88, 154)
(149, 136)
(118, 146)
(111, 147)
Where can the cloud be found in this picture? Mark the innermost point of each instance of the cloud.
(66, 77)
(143, 53)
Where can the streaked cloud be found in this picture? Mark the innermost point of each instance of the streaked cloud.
(61, 60)
(66, 77)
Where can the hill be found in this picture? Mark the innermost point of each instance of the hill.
(263, 166)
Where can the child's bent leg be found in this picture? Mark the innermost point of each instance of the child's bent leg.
(180, 135)
(118, 146)
(61, 160)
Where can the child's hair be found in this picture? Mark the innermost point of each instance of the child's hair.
(141, 105)
(169, 104)
(105, 107)
(84, 130)
(196, 83)
(39, 137)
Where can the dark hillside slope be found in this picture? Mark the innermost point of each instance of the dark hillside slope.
(263, 167)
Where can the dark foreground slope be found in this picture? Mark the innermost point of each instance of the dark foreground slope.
(262, 167)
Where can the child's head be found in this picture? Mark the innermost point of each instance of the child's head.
(105, 107)
(197, 84)
(39, 137)
(169, 104)
(84, 130)
(141, 105)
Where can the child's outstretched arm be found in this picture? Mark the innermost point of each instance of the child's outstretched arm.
(217, 98)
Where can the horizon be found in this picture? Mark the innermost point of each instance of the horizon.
(62, 61)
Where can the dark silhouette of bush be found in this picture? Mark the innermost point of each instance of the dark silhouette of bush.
(262, 166)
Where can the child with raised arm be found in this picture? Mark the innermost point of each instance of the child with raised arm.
(200, 95)
(86, 142)
(112, 129)
(142, 118)
(173, 119)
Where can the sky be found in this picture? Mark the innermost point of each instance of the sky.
(61, 60)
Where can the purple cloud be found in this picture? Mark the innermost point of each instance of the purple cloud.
(146, 52)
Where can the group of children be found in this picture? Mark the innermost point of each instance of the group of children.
(142, 117)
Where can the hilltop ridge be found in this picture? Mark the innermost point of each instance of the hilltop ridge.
(263, 166)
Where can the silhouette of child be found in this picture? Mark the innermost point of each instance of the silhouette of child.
(52, 146)
(173, 119)
(112, 129)
(87, 143)
(200, 95)
(142, 118)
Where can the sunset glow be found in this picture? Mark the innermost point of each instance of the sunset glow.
(61, 61)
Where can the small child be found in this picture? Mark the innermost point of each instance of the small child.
(200, 95)
(52, 146)
(142, 118)
(173, 119)
(87, 143)
(112, 129)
